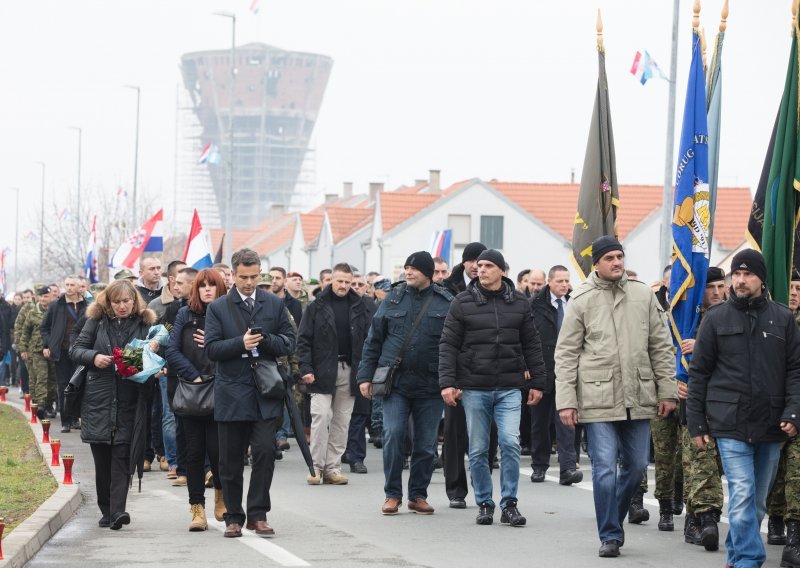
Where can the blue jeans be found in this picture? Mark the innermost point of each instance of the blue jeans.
(168, 426)
(629, 442)
(504, 407)
(425, 414)
(750, 470)
(376, 416)
(283, 429)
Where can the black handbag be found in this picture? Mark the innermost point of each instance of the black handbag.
(266, 375)
(194, 399)
(383, 379)
(73, 392)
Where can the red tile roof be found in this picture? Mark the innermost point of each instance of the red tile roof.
(311, 224)
(398, 207)
(344, 221)
(278, 236)
(238, 237)
(554, 205)
(416, 188)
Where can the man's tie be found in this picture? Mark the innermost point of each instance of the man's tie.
(559, 313)
(250, 303)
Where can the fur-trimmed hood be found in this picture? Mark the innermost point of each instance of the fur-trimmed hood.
(95, 311)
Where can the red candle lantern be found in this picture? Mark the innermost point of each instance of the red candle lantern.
(55, 446)
(45, 431)
(3, 391)
(27, 402)
(34, 410)
(68, 460)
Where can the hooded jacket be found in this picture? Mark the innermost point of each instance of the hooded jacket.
(614, 358)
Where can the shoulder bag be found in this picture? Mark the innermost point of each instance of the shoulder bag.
(383, 379)
(194, 399)
(73, 392)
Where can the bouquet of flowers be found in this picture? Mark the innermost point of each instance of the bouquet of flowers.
(137, 361)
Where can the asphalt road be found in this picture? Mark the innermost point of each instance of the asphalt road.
(341, 526)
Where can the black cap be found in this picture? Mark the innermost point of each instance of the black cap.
(795, 274)
(42, 290)
(493, 256)
(751, 260)
(604, 245)
(714, 274)
(472, 251)
(422, 261)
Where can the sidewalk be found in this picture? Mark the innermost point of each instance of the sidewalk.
(29, 537)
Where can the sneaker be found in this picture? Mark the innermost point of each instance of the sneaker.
(458, 503)
(358, 467)
(512, 516)
(314, 479)
(610, 549)
(420, 506)
(335, 478)
(485, 514)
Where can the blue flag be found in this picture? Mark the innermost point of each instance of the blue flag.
(692, 217)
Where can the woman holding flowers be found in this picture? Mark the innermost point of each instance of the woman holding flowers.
(108, 410)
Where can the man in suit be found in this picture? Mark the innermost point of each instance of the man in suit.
(244, 416)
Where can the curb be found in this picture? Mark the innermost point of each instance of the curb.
(20, 546)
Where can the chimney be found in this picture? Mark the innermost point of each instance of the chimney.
(347, 190)
(420, 181)
(374, 189)
(434, 185)
(572, 175)
(276, 211)
(331, 198)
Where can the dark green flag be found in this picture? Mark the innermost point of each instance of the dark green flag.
(598, 198)
(781, 197)
(755, 224)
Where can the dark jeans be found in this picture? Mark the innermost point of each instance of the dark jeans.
(356, 440)
(234, 438)
(425, 413)
(64, 368)
(201, 438)
(181, 445)
(542, 416)
(454, 449)
(525, 423)
(111, 476)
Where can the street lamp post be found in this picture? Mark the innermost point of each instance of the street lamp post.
(229, 200)
(16, 244)
(41, 228)
(136, 151)
(78, 204)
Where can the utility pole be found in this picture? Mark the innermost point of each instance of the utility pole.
(226, 253)
(41, 229)
(136, 154)
(665, 248)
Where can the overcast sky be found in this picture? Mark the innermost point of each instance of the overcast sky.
(500, 89)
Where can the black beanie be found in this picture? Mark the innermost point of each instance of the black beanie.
(603, 245)
(751, 260)
(714, 274)
(422, 261)
(472, 251)
(495, 257)
(795, 274)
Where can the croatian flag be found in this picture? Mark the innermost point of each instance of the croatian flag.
(3, 271)
(198, 247)
(147, 238)
(210, 154)
(645, 67)
(90, 268)
(440, 245)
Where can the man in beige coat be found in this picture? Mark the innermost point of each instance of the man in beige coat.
(614, 372)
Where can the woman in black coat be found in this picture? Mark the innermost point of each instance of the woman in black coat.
(187, 359)
(108, 409)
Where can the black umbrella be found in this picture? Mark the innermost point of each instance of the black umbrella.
(297, 427)
(139, 436)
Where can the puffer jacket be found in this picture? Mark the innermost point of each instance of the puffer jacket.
(418, 374)
(108, 409)
(489, 341)
(744, 377)
(614, 357)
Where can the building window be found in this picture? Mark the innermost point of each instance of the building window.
(460, 225)
(492, 231)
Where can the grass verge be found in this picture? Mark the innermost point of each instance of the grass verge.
(25, 480)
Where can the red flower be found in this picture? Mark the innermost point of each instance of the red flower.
(123, 370)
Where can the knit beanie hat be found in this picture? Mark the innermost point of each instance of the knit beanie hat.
(604, 245)
(472, 251)
(493, 256)
(751, 260)
(714, 274)
(422, 261)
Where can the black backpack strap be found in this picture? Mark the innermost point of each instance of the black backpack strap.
(414, 326)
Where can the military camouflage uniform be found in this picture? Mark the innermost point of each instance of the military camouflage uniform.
(667, 449)
(702, 476)
(40, 370)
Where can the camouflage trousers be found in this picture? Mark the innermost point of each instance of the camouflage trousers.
(784, 499)
(667, 448)
(42, 380)
(702, 471)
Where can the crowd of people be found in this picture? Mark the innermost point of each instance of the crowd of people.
(493, 368)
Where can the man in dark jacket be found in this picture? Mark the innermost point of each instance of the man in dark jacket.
(463, 273)
(547, 308)
(329, 346)
(489, 352)
(744, 390)
(56, 327)
(416, 383)
(294, 306)
(244, 416)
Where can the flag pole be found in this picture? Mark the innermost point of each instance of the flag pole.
(666, 195)
(600, 31)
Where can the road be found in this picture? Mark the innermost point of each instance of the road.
(341, 526)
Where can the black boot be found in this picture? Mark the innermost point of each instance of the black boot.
(637, 514)
(665, 522)
(709, 533)
(677, 499)
(691, 529)
(775, 530)
(791, 552)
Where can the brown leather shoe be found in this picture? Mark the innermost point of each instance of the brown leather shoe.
(391, 506)
(420, 506)
(233, 530)
(260, 527)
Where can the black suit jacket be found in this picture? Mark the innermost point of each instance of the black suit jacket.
(545, 319)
